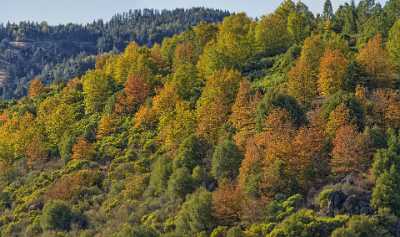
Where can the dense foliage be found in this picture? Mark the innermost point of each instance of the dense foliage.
(284, 126)
(60, 52)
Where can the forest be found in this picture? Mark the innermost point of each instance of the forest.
(60, 52)
(282, 126)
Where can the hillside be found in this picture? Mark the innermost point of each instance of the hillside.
(57, 53)
(282, 126)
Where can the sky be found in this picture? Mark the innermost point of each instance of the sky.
(83, 11)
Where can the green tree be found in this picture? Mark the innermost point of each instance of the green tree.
(226, 161)
(393, 43)
(364, 226)
(232, 48)
(271, 34)
(180, 183)
(190, 153)
(392, 10)
(328, 10)
(385, 193)
(96, 89)
(196, 214)
(56, 216)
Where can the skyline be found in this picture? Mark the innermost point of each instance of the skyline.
(72, 11)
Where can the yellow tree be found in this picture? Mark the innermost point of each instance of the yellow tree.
(36, 87)
(303, 77)
(107, 126)
(176, 126)
(340, 116)
(96, 89)
(333, 69)
(214, 105)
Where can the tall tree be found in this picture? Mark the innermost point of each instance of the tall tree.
(214, 105)
(328, 10)
(303, 77)
(242, 117)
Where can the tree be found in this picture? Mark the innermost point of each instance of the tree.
(272, 36)
(232, 48)
(361, 226)
(273, 100)
(36, 151)
(386, 108)
(176, 126)
(242, 116)
(161, 170)
(83, 150)
(226, 161)
(333, 70)
(106, 127)
(214, 105)
(393, 43)
(345, 20)
(350, 154)
(96, 89)
(136, 90)
(187, 82)
(376, 62)
(392, 10)
(328, 10)
(385, 193)
(180, 183)
(303, 77)
(308, 162)
(299, 26)
(196, 214)
(226, 202)
(341, 116)
(190, 153)
(56, 216)
(36, 87)
(57, 117)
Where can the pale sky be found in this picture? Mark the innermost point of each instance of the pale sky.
(83, 11)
